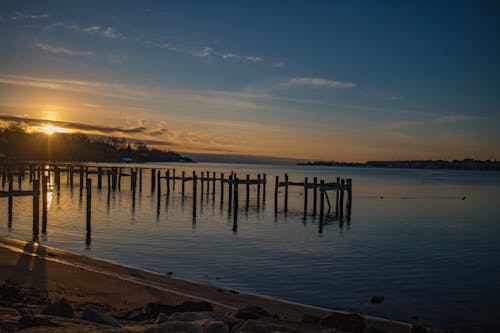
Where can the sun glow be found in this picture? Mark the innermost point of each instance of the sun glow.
(49, 129)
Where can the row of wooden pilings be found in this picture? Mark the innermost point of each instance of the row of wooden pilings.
(340, 189)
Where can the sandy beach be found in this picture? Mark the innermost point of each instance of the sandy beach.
(34, 276)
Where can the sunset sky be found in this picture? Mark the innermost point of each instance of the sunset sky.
(329, 80)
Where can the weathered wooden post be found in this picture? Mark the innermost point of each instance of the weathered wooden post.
(322, 200)
(70, 174)
(230, 191)
(201, 180)
(286, 192)
(341, 203)
(11, 188)
(221, 188)
(264, 189)
(133, 177)
(213, 183)
(36, 209)
(349, 196)
(153, 177)
(337, 192)
(258, 190)
(108, 173)
(120, 172)
(182, 183)
(305, 194)
(195, 180)
(167, 177)
(58, 178)
(44, 202)
(158, 177)
(208, 183)
(114, 174)
(19, 179)
(248, 190)
(276, 194)
(140, 180)
(173, 176)
(31, 174)
(315, 195)
(99, 178)
(89, 204)
(81, 178)
(235, 210)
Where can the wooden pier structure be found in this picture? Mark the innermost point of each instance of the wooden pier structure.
(163, 182)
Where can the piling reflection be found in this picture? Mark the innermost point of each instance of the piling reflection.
(330, 199)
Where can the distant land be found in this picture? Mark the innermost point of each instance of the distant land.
(465, 164)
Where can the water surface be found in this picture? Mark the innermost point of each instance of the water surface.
(427, 240)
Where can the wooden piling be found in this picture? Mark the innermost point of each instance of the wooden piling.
(213, 184)
(201, 181)
(230, 191)
(120, 179)
(58, 178)
(322, 201)
(276, 194)
(140, 180)
(222, 188)
(235, 209)
(264, 189)
(258, 190)
(81, 178)
(195, 180)
(286, 192)
(70, 172)
(89, 204)
(208, 182)
(337, 192)
(36, 209)
(159, 184)
(341, 203)
(306, 190)
(248, 190)
(315, 195)
(108, 173)
(153, 177)
(182, 183)
(349, 196)
(167, 177)
(44, 203)
(99, 178)
(11, 188)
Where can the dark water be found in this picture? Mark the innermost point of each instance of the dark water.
(428, 241)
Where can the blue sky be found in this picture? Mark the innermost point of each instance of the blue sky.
(352, 80)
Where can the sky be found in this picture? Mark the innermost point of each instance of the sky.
(308, 80)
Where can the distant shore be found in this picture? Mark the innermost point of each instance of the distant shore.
(465, 164)
(132, 300)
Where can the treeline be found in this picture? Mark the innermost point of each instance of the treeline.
(17, 143)
(465, 164)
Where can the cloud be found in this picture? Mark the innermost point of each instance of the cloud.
(75, 126)
(55, 50)
(206, 52)
(254, 58)
(17, 16)
(317, 82)
(456, 118)
(106, 32)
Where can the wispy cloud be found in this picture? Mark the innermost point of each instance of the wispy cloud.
(456, 118)
(18, 16)
(75, 126)
(56, 50)
(317, 82)
(103, 31)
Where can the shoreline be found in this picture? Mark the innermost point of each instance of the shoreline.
(65, 274)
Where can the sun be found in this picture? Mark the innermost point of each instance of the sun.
(49, 129)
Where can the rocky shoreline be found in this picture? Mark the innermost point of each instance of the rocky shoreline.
(39, 292)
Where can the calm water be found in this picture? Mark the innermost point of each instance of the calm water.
(429, 241)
